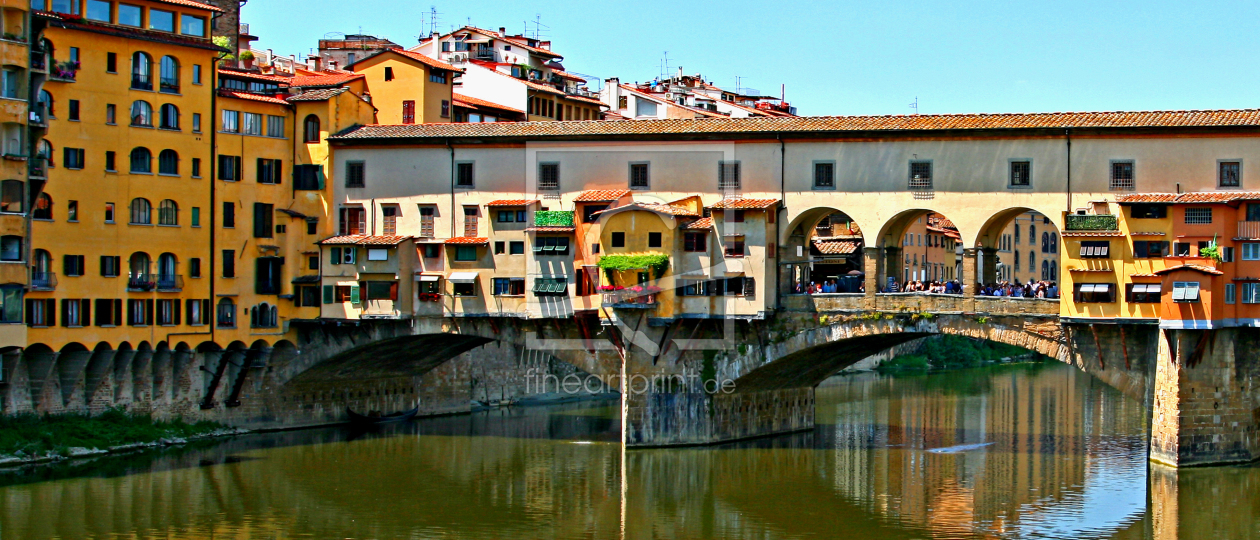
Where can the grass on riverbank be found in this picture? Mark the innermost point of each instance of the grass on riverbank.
(33, 434)
(953, 352)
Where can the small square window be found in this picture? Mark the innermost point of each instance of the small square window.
(1230, 173)
(1122, 178)
(654, 239)
(1021, 173)
(618, 239)
(824, 175)
(639, 176)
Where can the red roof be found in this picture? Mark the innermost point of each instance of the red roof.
(469, 101)
(420, 58)
(252, 97)
(601, 195)
(364, 240)
(467, 240)
(1196, 267)
(835, 247)
(326, 79)
(744, 204)
(1195, 197)
(511, 202)
(699, 224)
(245, 74)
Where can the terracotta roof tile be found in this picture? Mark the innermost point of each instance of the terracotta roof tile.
(468, 240)
(252, 97)
(1195, 197)
(364, 240)
(601, 195)
(699, 224)
(131, 33)
(1196, 267)
(744, 204)
(422, 59)
(246, 74)
(1146, 233)
(190, 3)
(1142, 275)
(835, 247)
(512, 202)
(327, 79)
(817, 124)
(318, 94)
(469, 101)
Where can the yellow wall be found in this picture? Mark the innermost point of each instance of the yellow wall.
(1120, 268)
(638, 224)
(410, 82)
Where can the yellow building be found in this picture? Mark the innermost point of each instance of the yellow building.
(1102, 263)
(408, 87)
(17, 185)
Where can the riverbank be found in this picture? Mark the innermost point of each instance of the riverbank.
(33, 438)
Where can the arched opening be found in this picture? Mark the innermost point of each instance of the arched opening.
(139, 272)
(167, 277)
(922, 252)
(42, 270)
(824, 254)
(1019, 255)
(168, 213)
(310, 130)
(141, 160)
(169, 75)
(170, 116)
(141, 113)
(225, 313)
(141, 212)
(43, 207)
(141, 71)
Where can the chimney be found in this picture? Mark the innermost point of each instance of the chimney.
(332, 65)
(680, 72)
(612, 92)
(502, 31)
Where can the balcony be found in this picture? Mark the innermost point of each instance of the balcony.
(636, 297)
(39, 114)
(141, 82)
(486, 54)
(64, 71)
(43, 281)
(137, 282)
(1249, 230)
(1091, 222)
(39, 60)
(170, 283)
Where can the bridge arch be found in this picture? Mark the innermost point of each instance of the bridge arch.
(822, 245)
(1017, 244)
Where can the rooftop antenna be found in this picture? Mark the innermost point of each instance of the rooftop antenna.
(538, 26)
(915, 105)
(665, 66)
(431, 23)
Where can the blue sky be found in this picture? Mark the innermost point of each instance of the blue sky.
(868, 57)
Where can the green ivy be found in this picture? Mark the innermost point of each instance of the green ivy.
(553, 218)
(1092, 222)
(657, 263)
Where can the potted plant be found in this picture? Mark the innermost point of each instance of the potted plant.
(247, 58)
(1212, 251)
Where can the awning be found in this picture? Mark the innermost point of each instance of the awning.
(1147, 288)
(462, 277)
(431, 277)
(1095, 287)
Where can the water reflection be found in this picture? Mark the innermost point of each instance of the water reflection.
(1012, 452)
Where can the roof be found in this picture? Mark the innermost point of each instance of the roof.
(699, 224)
(469, 101)
(835, 247)
(326, 79)
(676, 211)
(1195, 267)
(567, 75)
(601, 195)
(1196, 197)
(319, 94)
(819, 124)
(744, 204)
(512, 202)
(363, 240)
(438, 64)
(467, 240)
(496, 35)
(1088, 234)
(552, 229)
(245, 74)
(252, 97)
(133, 33)
(189, 3)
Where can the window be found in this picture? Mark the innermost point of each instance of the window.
(470, 221)
(12, 193)
(1230, 173)
(170, 116)
(269, 171)
(551, 286)
(1251, 293)
(141, 113)
(109, 212)
(654, 239)
(73, 265)
(267, 272)
(920, 176)
(168, 212)
(111, 62)
(426, 220)
(10, 248)
(108, 312)
(1021, 173)
(229, 215)
(590, 211)
(408, 112)
(263, 218)
(1185, 291)
(161, 20)
(1227, 254)
(73, 158)
(639, 176)
(98, 10)
(194, 267)
(75, 312)
(1122, 176)
(464, 174)
(310, 129)
(728, 175)
(516, 248)
(389, 73)
(193, 26)
(511, 216)
(432, 251)
(1198, 216)
(464, 289)
(1149, 211)
(196, 122)
(141, 64)
(735, 246)
(437, 76)
(74, 110)
(40, 312)
(308, 177)
(60, 6)
(389, 219)
(230, 122)
(465, 253)
(696, 242)
(168, 80)
(352, 220)
(167, 312)
(141, 161)
(229, 263)
(355, 174)
(1251, 252)
(11, 86)
(549, 177)
(43, 207)
(643, 107)
(141, 212)
(229, 168)
(1094, 293)
(551, 245)
(509, 286)
(1093, 250)
(111, 114)
(1150, 249)
(275, 126)
(225, 314)
(446, 108)
(252, 124)
(619, 239)
(824, 175)
(168, 162)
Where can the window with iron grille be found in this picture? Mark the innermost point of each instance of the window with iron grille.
(920, 175)
(549, 177)
(1230, 173)
(639, 176)
(1198, 216)
(1122, 176)
(1021, 173)
(728, 175)
(824, 175)
(464, 174)
(355, 174)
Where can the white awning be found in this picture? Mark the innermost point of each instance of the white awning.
(429, 278)
(462, 277)
(1147, 288)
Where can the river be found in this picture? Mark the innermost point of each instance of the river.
(1025, 451)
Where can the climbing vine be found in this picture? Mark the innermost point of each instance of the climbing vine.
(657, 263)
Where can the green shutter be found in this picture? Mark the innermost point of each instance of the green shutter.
(319, 176)
(540, 285)
(336, 256)
(354, 294)
(328, 294)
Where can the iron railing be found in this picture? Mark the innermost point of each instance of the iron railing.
(170, 282)
(43, 281)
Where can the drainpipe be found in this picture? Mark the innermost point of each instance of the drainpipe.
(212, 315)
(778, 270)
(1068, 134)
(452, 149)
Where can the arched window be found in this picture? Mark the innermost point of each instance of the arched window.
(141, 71)
(1017, 232)
(170, 74)
(311, 129)
(141, 113)
(1054, 242)
(168, 162)
(1045, 270)
(170, 116)
(45, 101)
(141, 160)
(166, 271)
(141, 211)
(1016, 260)
(43, 207)
(168, 213)
(263, 316)
(1045, 242)
(1032, 234)
(11, 195)
(1054, 271)
(45, 152)
(42, 262)
(225, 314)
(138, 266)
(1032, 261)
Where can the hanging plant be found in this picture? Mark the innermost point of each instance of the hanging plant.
(655, 262)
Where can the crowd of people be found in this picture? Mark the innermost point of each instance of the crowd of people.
(1032, 289)
(826, 287)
